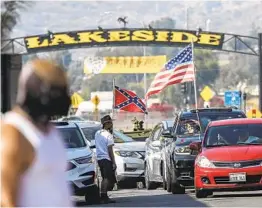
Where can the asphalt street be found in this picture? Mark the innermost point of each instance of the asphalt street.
(160, 198)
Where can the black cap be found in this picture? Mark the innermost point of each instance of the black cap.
(106, 119)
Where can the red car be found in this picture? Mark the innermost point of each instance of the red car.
(229, 157)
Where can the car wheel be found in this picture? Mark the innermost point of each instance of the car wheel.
(168, 181)
(176, 188)
(202, 193)
(164, 177)
(92, 196)
(149, 184)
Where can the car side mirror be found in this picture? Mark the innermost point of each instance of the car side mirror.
(167, 134)
(156, 143)
(196, 146)
(92, 144)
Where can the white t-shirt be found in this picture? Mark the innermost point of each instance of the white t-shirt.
(103, 139)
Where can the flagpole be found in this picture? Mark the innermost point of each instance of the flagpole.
(195, 77)
(113, 105)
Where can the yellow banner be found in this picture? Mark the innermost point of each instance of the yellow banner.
(124, 64)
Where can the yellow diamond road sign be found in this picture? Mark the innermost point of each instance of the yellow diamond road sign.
(95, 100)
(207, 93)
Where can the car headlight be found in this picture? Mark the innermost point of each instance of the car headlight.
(182, 150)
(203, 162)
(128, 154)
(83, 160)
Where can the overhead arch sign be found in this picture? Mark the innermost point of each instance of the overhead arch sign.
(122, 37)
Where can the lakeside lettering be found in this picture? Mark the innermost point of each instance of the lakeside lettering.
(92, 37)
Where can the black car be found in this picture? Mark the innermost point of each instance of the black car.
(168, 157)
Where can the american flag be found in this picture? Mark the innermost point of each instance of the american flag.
(177, 70)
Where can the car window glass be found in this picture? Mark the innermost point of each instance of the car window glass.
(188, 127)
(72, 137)
(152, 133)
(90, 132)
(121, 138)
(206, 117)
(156, 134)
(240, 134)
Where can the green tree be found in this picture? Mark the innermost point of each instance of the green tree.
(207, 67)
(163, 23)
(10, 14)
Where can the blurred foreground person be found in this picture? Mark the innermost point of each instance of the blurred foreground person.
(34, 158)
(106, 160)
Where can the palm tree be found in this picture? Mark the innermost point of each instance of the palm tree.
(10, 14)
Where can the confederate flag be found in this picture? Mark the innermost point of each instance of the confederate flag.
(127, 100)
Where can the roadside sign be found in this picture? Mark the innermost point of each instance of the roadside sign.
(233, 98)
(95, 100)
(206, 104)
(76, 99)
(254, 113)
(207, 94)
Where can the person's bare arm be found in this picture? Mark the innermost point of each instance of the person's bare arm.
(17, 155)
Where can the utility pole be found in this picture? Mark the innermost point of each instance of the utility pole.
(260, 70)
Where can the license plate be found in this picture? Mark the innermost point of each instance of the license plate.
(237, 177)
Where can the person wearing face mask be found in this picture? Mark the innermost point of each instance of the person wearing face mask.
(104, 142)
(34, 158)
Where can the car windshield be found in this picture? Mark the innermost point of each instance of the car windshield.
(191, 121)
(72, 137)
(188, 127)
(90, 132)
(121, 138)
(231, 135)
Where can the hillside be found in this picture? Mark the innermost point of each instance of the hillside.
(238, 17)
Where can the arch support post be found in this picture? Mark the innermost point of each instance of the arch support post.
(260, 70)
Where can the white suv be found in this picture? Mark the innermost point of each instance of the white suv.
(81, 172)
(129, 154)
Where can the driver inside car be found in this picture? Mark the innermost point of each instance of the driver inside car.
(217, 138)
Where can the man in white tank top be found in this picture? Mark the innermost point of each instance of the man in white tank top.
(34, 160)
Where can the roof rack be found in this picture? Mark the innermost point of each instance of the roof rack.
(60, 123)
(227, 109)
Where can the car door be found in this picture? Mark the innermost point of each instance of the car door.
(151, 150)
(170, 145)
(156, 154)
(165, 145)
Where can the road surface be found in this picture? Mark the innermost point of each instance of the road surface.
(160, 198)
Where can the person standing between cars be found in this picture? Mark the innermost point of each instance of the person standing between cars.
(33, 154)
(104, 142)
